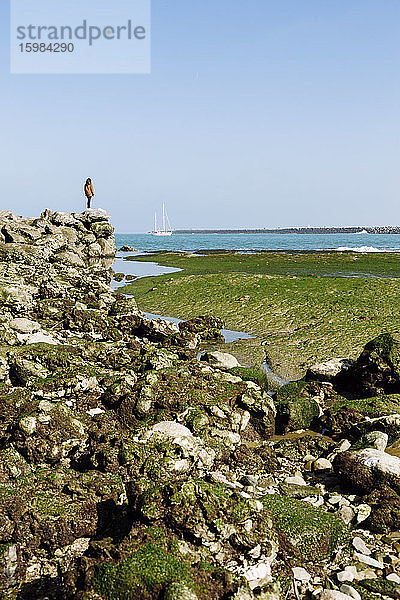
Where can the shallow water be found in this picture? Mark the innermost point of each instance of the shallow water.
(138, 269)
(273, 376)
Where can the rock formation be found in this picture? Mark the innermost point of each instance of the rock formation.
(131, 470)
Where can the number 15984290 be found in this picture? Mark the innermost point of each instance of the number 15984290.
(56, 47)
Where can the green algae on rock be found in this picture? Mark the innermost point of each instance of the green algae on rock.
(313, 533)
(307, 307)
(149, 569)
(377, 369)
(130, 469)
(297, 406)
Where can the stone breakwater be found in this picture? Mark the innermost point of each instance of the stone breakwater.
(131, 470)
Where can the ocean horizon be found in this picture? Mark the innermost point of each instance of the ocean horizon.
(246, 242)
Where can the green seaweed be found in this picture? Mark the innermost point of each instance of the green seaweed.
(147, 568)
(313, 532)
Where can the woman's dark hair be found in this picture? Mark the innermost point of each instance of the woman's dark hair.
(88, 181)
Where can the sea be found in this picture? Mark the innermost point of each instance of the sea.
(247, 242)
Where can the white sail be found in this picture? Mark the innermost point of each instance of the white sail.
(166, 229)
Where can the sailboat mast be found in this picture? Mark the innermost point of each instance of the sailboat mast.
(163, 217)
(155, 221)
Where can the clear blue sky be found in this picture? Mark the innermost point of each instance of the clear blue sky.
(261, 113)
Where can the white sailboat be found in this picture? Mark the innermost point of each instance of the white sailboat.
(166, 225)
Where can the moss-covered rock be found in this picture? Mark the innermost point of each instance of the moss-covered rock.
(217, 411)
(54, 507)
(388, 424)
(296, 445)
(161, 565)
(142, 575)
(50, 433)
(384, 587)
(297, 405)
(310, 532)
(256, 374)
(352, 417)
(208, 328)
(385, 513)
(377, 369)
(208, 512)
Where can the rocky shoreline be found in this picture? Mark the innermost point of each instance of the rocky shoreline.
(132, 470)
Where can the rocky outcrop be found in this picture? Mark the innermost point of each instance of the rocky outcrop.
(128, 468)
(376, 371)
(208, 328)
(64, 238)
(131, 470)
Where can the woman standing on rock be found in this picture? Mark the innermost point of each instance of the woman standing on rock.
(89, 192)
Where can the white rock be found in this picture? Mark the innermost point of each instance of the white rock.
(95, 411)
(322, 464)
(301, 574)
(244, 421)
(220, 360)
(349, 574)
(258, 575)
(95, 214)
(89, 384)
(368, 560)
(231, 378)
(22, 325)
(219, 477)
(63, 218)
(28, 425)
(309, 457)
(375, 439)
(335, 499)
(255, 552)
(361, 546)
(46, 406)
(333, 595)
(217, 412)
(44, 419)
(363, 511)
(172, 429)
(181, 466)
(41, 338)
(296, 480)
(367, 573)
(326, 371)
(393, 577)
(343, 446)
(350, 591)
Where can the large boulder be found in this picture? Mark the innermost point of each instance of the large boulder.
(209, 328)
(69, 258)
(220, 360)
(63, 218)
(376, 371)
(368, 469)
(93, 215)
(328, 370)
(297, 405)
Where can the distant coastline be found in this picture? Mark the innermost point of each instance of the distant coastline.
(298, 230)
